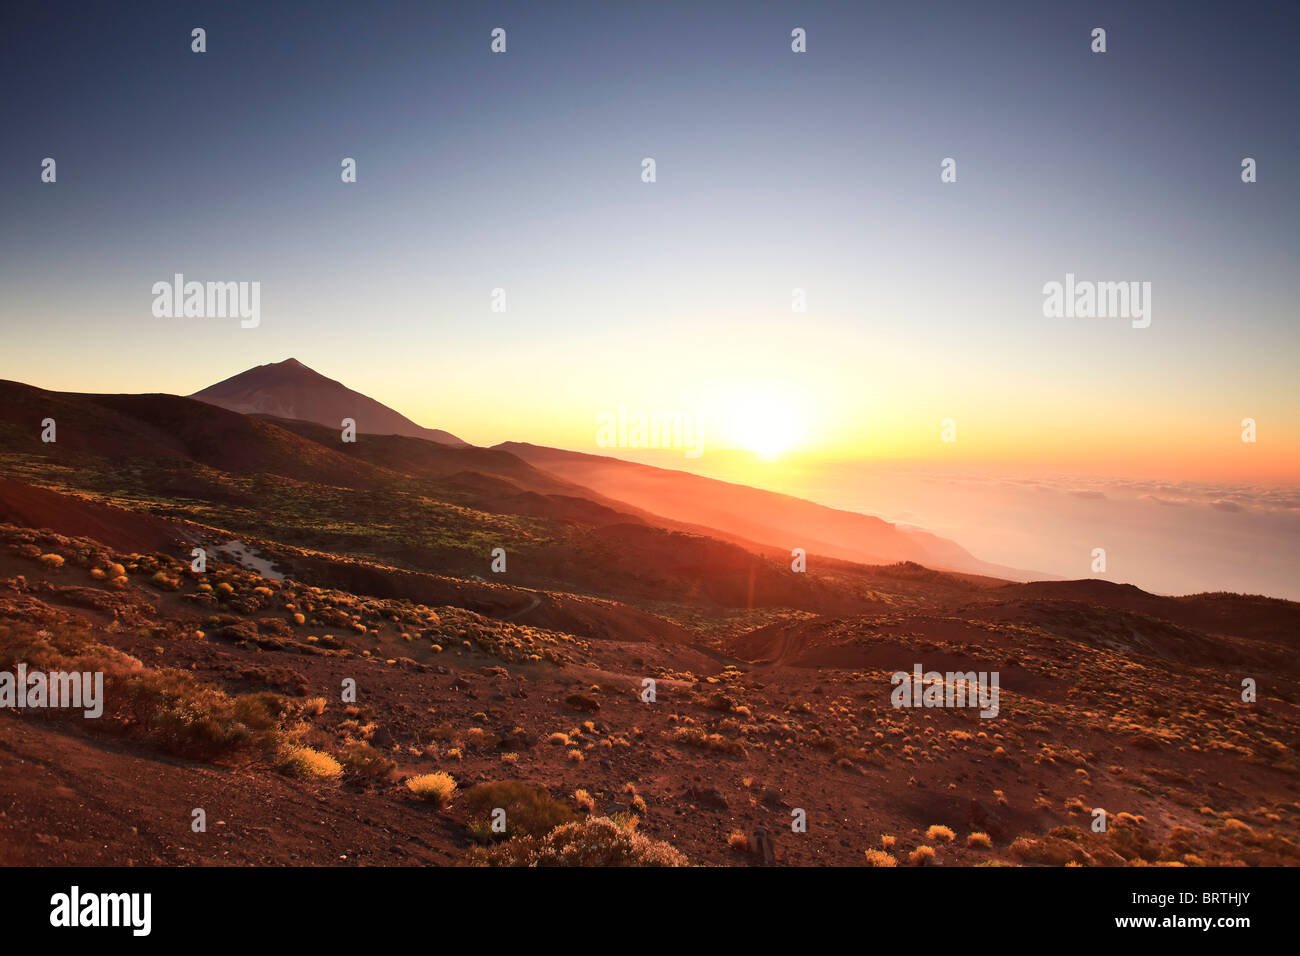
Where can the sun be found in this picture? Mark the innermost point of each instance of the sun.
(765, 425)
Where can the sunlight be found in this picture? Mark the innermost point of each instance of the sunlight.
(764, 424)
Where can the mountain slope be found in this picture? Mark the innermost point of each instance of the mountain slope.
(426, 459)
(167, 429)
(739, 511)
(291, 390)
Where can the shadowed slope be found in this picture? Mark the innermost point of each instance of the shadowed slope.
(167, 428)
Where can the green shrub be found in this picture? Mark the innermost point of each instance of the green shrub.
(530, 811)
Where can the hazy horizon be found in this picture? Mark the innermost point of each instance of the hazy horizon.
(1225, 537)
(1228, 536)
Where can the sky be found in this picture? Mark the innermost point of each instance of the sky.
(775, 170)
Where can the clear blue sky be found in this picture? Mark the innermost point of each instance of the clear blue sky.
(775, 170)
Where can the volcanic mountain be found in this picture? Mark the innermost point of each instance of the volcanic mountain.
(291, 390)
(283, 419)
(287, 392)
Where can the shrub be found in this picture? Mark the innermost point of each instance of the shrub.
(261, 711)
(1236, 827)
(979, 841)
(584, 800)
(433, 787)
(1051, 851)
(163, 582)
(582, 702)
(738, 840)
(190, 721)
(940, 834)
(881, 858)
(530, 811)
(598, 841)
(921, 855)
(52, 561)
(365, 761)
(171, 709)
(312, 764)
(695, 737)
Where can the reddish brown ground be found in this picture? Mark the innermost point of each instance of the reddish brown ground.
(1101, 707)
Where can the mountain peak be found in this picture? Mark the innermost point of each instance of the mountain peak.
(289, 389)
